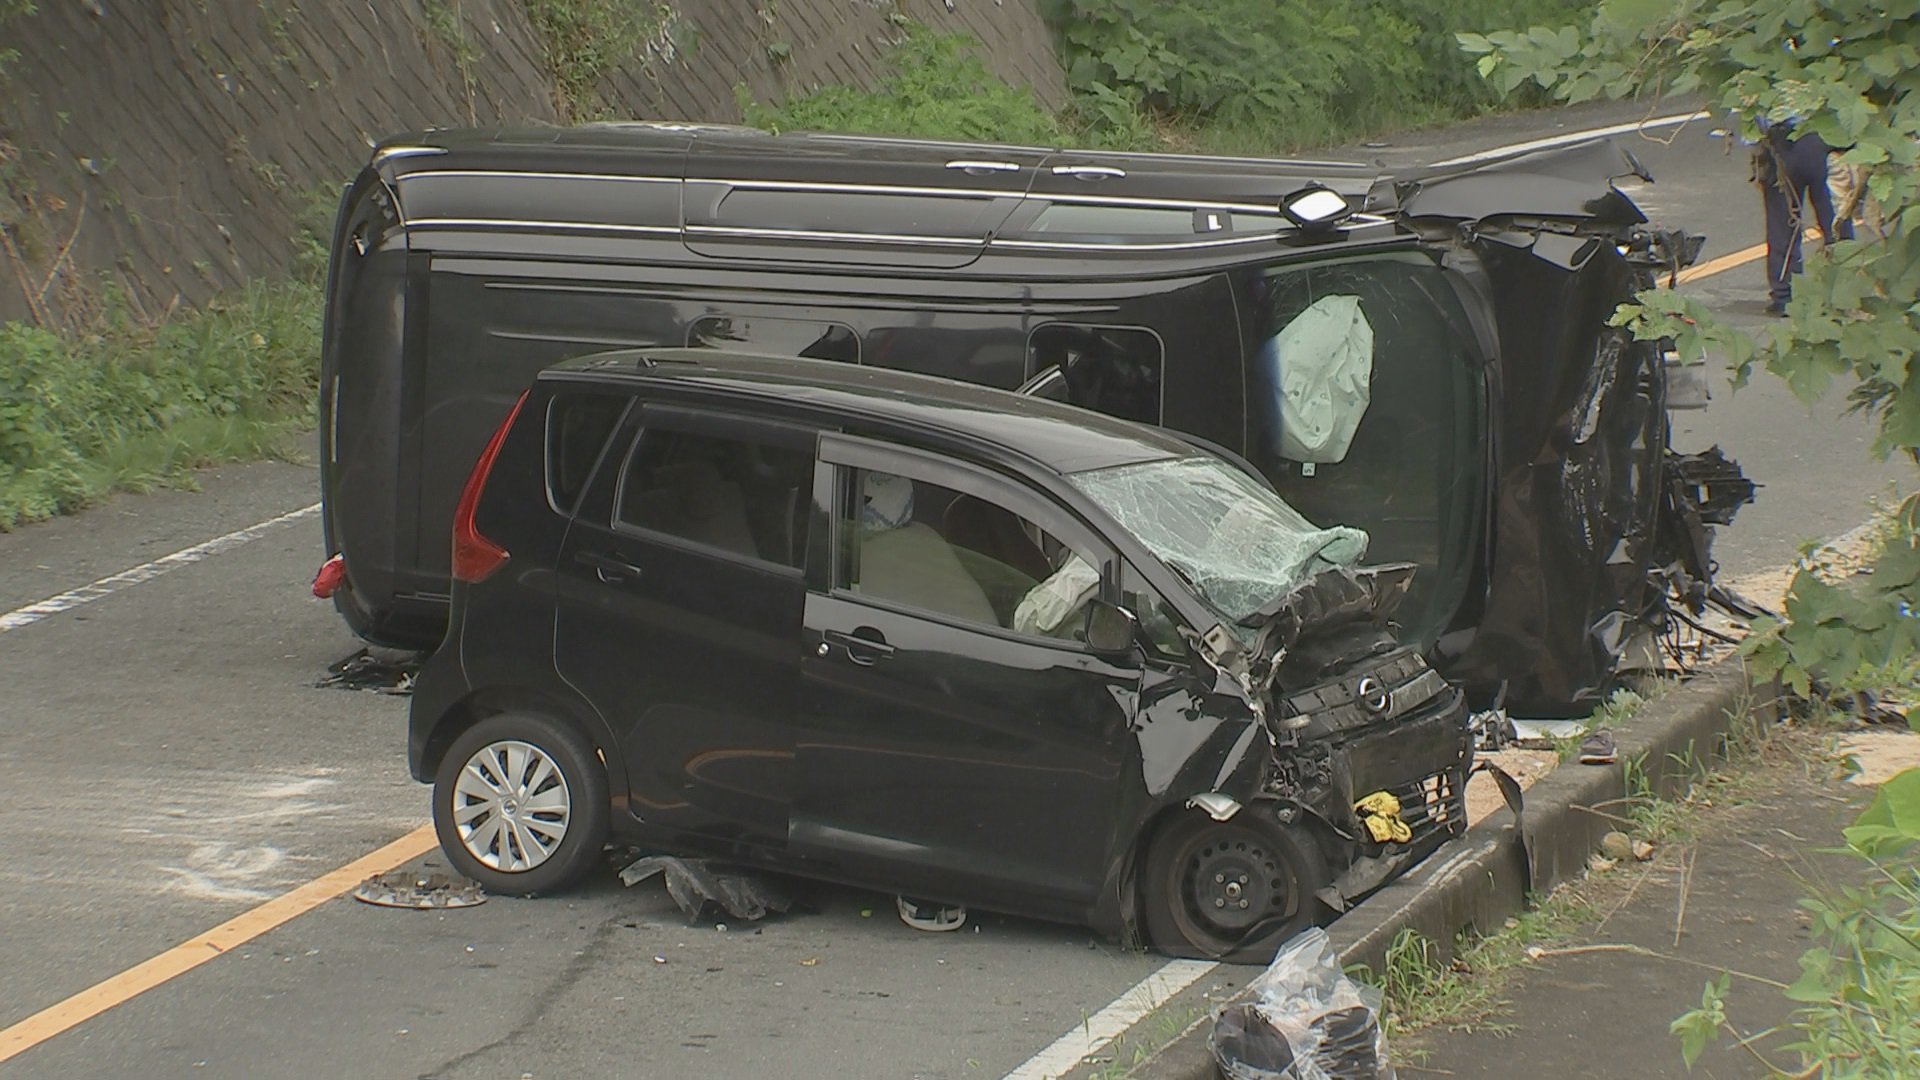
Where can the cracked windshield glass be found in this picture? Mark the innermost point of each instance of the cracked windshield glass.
(1237, 543)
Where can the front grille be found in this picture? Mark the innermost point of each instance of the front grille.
(1436, 806)
(1412, 683)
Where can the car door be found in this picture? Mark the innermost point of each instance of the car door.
(680, 595)
(954, 738)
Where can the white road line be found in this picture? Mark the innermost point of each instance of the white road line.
(1576, 136)
(1104, 1026)
(107, 586)
(1150, 993)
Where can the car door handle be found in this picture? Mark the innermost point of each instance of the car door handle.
(610, 570)
(864, 649)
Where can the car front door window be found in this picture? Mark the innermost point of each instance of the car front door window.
(929, 547)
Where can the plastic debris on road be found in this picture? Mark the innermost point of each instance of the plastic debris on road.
(695, 883)
(383, 671)
(421, 892)
(1306, 1021)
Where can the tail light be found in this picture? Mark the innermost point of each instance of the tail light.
(474, 556)
(328, 580)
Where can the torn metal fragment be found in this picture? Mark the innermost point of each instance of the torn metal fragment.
(695, 883)
(383, 671)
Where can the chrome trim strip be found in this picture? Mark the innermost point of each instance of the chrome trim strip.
(380, 157)
(509, 223)
(992, 166)
(1272, 208)
(1178, 245)
(822, 234)
(1091, 172)
(840, 237)
(530, 173)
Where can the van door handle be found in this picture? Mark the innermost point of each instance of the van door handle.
(865, 646)
(610, 570)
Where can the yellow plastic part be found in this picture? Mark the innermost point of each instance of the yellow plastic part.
(1380, 813)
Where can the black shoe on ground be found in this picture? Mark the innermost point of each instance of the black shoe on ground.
(1598, 749)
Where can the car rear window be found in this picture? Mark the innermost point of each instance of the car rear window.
(578, 426)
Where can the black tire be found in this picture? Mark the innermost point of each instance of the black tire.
(524, 857)
(1200, 871)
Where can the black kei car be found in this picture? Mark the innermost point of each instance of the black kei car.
(923, 637)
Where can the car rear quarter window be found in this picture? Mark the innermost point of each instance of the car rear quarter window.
(732, 494)
(578, 426)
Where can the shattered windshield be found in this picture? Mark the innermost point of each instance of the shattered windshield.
(1238, 544)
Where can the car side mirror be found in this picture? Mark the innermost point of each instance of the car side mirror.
(1109, 628)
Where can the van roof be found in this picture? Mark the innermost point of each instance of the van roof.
(1061, 437)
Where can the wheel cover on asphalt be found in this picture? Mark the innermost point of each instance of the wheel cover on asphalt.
(511, 806)
(1231, 883)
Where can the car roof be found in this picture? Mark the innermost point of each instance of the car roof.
(1063, 438)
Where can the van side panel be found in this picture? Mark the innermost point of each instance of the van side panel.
(487, 336)
(360, 408)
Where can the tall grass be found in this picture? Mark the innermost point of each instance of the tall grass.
(124, 406)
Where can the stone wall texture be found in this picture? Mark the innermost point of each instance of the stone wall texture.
(175, 148)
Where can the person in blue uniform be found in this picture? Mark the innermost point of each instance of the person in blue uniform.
(1791, 168)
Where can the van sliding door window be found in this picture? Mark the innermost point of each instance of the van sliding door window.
(781, 337)
(1110, 369)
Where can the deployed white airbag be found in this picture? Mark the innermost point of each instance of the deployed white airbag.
(1322, 361)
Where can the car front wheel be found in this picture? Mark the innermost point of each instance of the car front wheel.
(1230, 890)
(520, 804)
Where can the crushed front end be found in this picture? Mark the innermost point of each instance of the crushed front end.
(1371, 745)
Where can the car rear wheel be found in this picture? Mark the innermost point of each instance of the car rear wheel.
(520, 804)
(1230, 890)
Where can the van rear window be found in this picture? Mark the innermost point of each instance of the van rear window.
(578, 426)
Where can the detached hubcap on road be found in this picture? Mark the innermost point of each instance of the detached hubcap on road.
(511, 806)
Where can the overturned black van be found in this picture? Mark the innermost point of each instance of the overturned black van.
(1425, 356)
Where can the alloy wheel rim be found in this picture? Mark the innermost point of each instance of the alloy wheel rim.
(511, 806)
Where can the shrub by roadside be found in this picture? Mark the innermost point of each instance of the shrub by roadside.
(122, 406)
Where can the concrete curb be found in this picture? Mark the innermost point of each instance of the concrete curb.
(1484, 878)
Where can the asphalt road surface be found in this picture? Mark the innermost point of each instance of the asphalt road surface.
(168, 765)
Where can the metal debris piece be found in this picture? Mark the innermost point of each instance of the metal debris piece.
(421, 892)
(383, 671)
(695, 883)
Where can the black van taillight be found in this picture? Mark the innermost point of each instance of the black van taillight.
(474, 556)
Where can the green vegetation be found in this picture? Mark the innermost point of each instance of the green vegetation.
(1424, 989)
(124, 406)
(1260, 76)
(939, 88)
(1233, 76)
(447, 26)
(585, 40)
(9, 10)
(1859, 988)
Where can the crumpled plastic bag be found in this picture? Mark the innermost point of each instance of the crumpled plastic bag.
(1307, 1021)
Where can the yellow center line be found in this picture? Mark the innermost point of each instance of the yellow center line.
(1724, 262)
(250, 924)
(195, 951)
